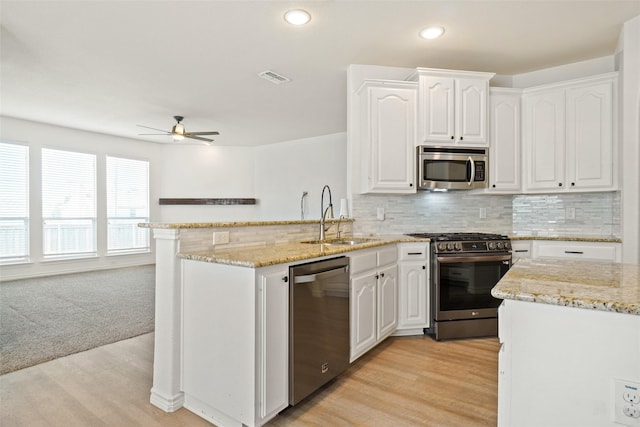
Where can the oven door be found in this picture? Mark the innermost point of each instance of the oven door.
(462, 285)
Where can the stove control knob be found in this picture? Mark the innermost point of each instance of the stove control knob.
(442, 246)
(492, 245)
(507, 245)
(500, 245)
(449, 246)
(458, 246)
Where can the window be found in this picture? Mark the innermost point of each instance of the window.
(127, 204)
(68, 203)
(14, 202)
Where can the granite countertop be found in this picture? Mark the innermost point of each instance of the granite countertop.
(281, 253)
(610, 239)
(593, 285)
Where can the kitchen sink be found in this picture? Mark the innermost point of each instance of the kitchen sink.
(339, 242)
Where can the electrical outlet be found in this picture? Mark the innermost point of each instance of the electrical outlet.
(220, 237)
(483, 213)
(570, 213)
(626, 403)
(380, 214)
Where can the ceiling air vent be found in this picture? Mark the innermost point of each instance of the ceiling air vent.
(274, 77)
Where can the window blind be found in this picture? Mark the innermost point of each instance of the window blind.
(127, 204)
(68, 202)
(14, 202)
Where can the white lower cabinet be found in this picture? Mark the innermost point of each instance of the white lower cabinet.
(235, 350)
(602, 251)
(520, 249)
(373, 297)
(413, 288)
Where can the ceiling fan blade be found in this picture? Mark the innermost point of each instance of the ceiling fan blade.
(188, 135)
(202, 133)
(161, 130)
(160, 134)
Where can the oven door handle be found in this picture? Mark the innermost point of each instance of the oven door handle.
(477, 258)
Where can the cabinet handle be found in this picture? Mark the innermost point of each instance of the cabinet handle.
(574, 252)
(414, 253)
(522, 250)
(285, 279)
(559, 184)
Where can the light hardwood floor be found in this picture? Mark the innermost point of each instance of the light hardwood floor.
(409, 381)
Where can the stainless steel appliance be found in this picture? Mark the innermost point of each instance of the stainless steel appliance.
(318, 325)
(452, 168)
(465, 267)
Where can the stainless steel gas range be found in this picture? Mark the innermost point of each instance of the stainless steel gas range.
(464, 269)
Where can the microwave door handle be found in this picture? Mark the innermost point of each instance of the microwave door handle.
(473, 171)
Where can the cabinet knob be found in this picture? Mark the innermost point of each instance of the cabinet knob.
(285, 279)
(461, 138)
(424, 267)
(382, 275)
(573, 184)
(452, 137)
(377, 276)
(559, 184)
(494, 186)
(410, 184)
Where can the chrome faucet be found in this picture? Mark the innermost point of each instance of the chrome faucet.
(323, 211)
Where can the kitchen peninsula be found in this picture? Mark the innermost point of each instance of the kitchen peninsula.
(228, 302)
(569, 329)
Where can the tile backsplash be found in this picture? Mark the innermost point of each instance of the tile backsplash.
(596, 214)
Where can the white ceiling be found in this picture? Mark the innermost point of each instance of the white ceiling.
(107, 66)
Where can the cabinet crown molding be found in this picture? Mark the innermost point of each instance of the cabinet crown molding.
(573, 82)
(438, 72)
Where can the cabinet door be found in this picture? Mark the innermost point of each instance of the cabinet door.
(471, 111)
(387, 301)
(504, 149)
(412, 295)
(363, 313)
(392, 130)
(590, 136)
(273, 356)
(437, 109)
(544, 139)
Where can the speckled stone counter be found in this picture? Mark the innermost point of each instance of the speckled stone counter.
(264, 255)
(592, 285)
(610, 239)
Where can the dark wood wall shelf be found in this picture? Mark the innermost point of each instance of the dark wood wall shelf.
(183, 201)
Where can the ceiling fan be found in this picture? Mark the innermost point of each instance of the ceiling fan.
(178, 132)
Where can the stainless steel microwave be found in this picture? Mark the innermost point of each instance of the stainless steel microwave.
(452, 168)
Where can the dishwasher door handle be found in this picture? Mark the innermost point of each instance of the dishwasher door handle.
(320, 276)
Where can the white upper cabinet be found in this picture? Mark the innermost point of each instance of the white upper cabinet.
(452, 107)
(387, 136)
(504, 152)
(569, 136)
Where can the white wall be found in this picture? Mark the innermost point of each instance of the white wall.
(200, 171)
(285, 170)
(39, 135)
(576, 70)
(630, 139)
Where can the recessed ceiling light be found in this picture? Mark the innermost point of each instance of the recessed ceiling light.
(431, 32)
(297, 17)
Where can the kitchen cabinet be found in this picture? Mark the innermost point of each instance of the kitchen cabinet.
(452, 107)
(373, 297)
(235, 342)
(569, 135)
(604, 251)
(387, 136)
(504, 151)
(413, 288)
(520, 249)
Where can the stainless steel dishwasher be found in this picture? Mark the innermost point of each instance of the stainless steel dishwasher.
(318, 325)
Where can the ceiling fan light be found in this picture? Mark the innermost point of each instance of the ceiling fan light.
(430, 33)
(297, 16)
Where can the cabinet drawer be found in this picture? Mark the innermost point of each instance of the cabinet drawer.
(521, 249)
(387, 255)
(578, 250)
(413, 251)
(363, 261)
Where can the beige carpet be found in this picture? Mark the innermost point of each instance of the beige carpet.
(49, 317)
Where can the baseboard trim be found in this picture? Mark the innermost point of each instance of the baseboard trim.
(167, 404)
